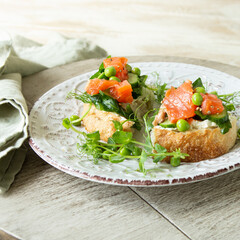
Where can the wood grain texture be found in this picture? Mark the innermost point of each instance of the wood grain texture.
(6, 236)
(46, 203)
(204, 210)
(201, 28)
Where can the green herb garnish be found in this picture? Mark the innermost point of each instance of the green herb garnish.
(100, 73)
(112, 151)
(198, 83)
(231, 100)
(160, 92)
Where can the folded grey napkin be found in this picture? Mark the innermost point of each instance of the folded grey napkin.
(19, 57)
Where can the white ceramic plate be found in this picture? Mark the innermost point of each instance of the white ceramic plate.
(56, 145)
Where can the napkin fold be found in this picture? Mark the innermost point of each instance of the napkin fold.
(19, 57)
(14, 113)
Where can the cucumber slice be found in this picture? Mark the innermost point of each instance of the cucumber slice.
(219, 118)
(201, 115)
(133, 79)
(222, 120)
(167, 124)
(225, 127)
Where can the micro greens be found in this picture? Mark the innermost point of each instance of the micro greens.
(160, 92)
(231, 100)
(112, 150)
(118, 125)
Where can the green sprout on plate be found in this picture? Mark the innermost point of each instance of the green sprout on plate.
(122, 146)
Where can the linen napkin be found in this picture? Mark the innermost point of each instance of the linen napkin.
(19, 57)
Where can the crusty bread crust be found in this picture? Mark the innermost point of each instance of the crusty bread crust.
(97, 120)
(200, 144)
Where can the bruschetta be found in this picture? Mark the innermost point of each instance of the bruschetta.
(116, 91)
(194, 121)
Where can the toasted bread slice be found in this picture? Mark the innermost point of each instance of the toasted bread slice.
(200, 144)
(97, 120)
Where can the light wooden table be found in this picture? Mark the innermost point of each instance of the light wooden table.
(200, 29)
(45, 203)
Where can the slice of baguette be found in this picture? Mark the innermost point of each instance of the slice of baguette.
(97, 120)
(200, 144)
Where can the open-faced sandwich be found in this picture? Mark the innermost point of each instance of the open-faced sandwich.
(195, 121)
(189, 124)
(116, 92)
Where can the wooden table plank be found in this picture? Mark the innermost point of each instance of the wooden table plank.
(45, 203)
(201, 28)
(6, 236)
(203, 210)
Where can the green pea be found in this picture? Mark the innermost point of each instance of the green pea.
(106, 154)
(175, 161)
(182, 125)
(197, 99)
(114, 79)
(75, 120)
(214, 93)
(74, 117)
(136, 151)
(128, 67)
(125, 151)
(136, 71)
(200, 90)
(110, 71)
(66, 123)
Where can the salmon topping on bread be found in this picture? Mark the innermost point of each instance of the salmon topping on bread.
(96, 85)
(178, 102)
(119, 63)
(121, 91)
(211, 104)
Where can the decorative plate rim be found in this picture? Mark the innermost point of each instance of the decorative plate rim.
(133, 183)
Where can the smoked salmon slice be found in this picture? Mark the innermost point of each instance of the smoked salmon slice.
(211, 104)
(178, 102)
(122, 75)
(122, 92)
(119, 63)
(95, 85)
